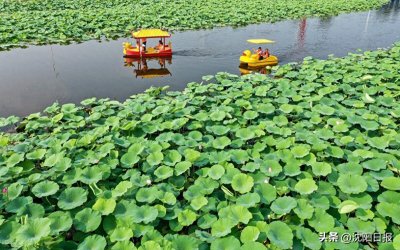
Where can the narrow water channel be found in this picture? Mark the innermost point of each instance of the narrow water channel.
(33, 78)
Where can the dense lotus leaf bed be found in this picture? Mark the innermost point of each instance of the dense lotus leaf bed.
(247, 162)
(62, 21)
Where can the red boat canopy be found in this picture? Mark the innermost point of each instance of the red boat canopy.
(150, 33)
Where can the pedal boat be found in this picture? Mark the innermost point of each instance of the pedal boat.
(252, 60)
(138, 51)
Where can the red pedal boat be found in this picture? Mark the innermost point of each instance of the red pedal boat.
(141, 49)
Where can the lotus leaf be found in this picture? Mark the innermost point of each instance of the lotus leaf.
(306, 186)
(242, 183)
(32, 232)
(351, 183)
(283, 205)
(93, 242)
(391, 183)
(72, 197)
(280, 235)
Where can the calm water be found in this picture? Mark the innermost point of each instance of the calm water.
(32, 79)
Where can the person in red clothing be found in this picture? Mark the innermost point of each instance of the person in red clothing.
(266, 54)
(259, 52)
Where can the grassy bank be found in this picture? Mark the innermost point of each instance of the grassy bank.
(241, 163)
(61, 21)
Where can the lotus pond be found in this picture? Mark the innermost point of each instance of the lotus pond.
(234, 162)
(34, 78)
(62, 21)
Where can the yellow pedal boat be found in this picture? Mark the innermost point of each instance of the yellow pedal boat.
(252, 60)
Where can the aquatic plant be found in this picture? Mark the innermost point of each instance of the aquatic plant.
(61, 21)
(245, 162)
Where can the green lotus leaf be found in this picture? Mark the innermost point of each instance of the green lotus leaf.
(248, 200)
(191, 155)
(389, 196)
(245, 133)
(52, 160)
(304, 210)
(72, 197)
(347, 206)
(14, 190)
(93, 242)
(8, 230)
(104, 206)
(121, 188)
(219, 129)
(33, 231)
(322, 221)
(283, 205)
(242, 183)
(129, 159)
(374, 164)
(306, 186)
(391, 183)
(225, 243)
(221, 142)
(235, 214)
(45, 188)
(145, 214)
(280, 235)
(357, 225)
(123, 245)
(323, 109)
(390, 210)
(18, 204)
(266, 108)
(121, 234)
(249, 234)
(198, 202)
(155, 158)
(60, 222)
(36, 154)
(91, 175)
(239, 156)
(250, 167)
(396, 242)
(351, 183)
(216, 172)
(87, 220)
(217, 115)
(250, 115)
(182, 167)
(186, 217)
(286, 108)
(172, 157)
(221, 227)
(379, 142)
(321, 168)
(271, 168)
(299, 151)
(266, 191)
(350, 168)
(309, 238)
(184, 242)
(150, 245)
(253, 246)
(147, 195)
(33, 210)
(14, 159)
(164, 172)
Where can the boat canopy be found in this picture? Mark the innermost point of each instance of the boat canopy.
(153, 73)
(260, 41)
(150, 33)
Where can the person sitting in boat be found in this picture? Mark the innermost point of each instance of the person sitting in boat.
(259, 52)
(266, 54)
(144, 41)
(160, 45)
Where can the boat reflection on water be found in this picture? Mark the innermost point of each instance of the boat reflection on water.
(143, 66)
(244, 70)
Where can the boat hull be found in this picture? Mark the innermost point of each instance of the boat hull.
(151, 52)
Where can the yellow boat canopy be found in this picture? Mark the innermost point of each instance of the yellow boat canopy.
(153, 73)
(150, 33)
(260, 41)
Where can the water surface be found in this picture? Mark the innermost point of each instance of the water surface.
(33, 78)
